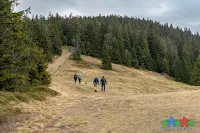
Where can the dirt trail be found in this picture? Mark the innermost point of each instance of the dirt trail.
(80, 110)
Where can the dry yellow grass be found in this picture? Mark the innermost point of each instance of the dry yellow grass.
(136, 101)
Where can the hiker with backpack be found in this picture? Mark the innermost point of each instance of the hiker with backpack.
(75, 77)
(96, 82)
(79, 78)
(103, 84)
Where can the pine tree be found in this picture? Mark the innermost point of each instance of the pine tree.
(126, 39)
(55, 35)
(106, 60)
(89, 34)
(115, 54)
(117, 32)
(97, 39)
(18, 53)
(127, 61)
(37, 73)
(143, 54)
(134, 61)
(178, 69)
(195, 75)
(77, 53)
(13, 71)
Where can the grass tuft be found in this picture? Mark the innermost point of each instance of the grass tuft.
(35, 93)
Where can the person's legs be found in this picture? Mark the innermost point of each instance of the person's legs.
(101, 87)
(79, 81)
(104, 86)
(95, 86)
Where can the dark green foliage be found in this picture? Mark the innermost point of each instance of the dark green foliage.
(134, 61)
(76, 55)
(135, 42)
(195, 75)
(115, 54)
(143, 54)
(106, 60)
(13, 68)
(127, 44)
(22, 64)
(127, 60)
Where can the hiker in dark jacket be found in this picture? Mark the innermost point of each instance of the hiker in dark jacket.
(75, 77)
(103, 84)
(96, 82)
(79, 78)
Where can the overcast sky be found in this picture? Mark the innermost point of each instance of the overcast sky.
(182, 13)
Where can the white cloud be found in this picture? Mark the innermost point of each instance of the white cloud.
(184, 13)
(158, 11)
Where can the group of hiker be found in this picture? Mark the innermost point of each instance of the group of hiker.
(77, 77)
(96, 81)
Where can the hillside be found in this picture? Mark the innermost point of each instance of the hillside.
(135, 101)
(128, 41)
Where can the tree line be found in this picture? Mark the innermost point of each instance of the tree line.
(28, 44)
(133, 42)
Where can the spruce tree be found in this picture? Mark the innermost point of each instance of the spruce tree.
(143, 54)
(134, 61)
(195, 75)
(115, 54)
(106, 60)
(18, 53)
(37, 73)
(76, 55)
(127, 61)
(127, 44)
(13, 70)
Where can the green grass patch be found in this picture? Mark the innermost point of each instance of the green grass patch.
(8, 111)
(7, 98)
(22, 96)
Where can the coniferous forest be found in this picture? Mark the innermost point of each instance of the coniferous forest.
(133, 42)
(28, 44)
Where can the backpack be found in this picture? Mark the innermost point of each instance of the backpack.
(96, 80)
(103, 81)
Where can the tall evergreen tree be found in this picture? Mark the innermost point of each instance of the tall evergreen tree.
(115, 56)
(18, 54)
(127, 60)
(106, 60)
(134, 61)
(143, 54)
(195, 75)
(76, 55)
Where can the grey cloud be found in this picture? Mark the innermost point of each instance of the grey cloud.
(182, 13)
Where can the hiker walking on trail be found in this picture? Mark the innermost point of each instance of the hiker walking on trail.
(103, 84)
(75, 77)
(79, 78)
(96, 82)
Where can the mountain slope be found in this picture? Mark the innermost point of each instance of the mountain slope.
(135, 101)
